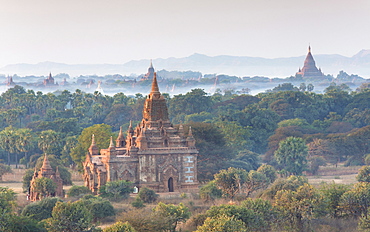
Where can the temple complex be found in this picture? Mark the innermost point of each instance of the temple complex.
(46, 171)
(154, 154)
(309, 69)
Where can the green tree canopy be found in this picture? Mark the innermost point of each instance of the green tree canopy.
(173, 213)
(230, 181)
(292, 155)
(118, 190)
(222, 223)
(120, 227)
(69, 217)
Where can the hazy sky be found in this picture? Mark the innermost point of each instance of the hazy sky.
(116, 31)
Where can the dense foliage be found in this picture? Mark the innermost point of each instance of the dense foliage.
(231, 129)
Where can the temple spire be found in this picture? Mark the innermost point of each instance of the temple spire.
(120, 134)
(111, 144)
(120, 141)
(46, 164)
(309, 48)
(155, 88)
(93, 149)
(190, 132)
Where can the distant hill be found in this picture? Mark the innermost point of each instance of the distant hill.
(231, 65)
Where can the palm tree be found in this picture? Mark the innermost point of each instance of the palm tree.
(24, 143)
(8, 141)
(49, 140)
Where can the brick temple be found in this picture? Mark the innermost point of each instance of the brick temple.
(154, 154)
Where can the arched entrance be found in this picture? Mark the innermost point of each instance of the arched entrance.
(170, 184)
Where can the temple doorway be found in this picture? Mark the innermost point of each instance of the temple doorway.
(170, 184)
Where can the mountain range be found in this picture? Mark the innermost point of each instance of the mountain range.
(230, 65)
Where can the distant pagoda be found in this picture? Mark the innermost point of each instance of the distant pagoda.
(150, 74)
(309, 69)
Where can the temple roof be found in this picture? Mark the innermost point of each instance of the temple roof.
(46, 164)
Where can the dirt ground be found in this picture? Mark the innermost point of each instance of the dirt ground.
(338, 175)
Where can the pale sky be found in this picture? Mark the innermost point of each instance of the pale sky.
(117, 31)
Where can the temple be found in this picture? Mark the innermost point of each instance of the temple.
(309, 69)
(154, 154)
(150, 74)
(46, 171)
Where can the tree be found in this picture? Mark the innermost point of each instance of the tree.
(302, 87)
(8, 141)
(98, 207)
(25, 142)
(144, 219)
(147, 195)
(230, 181)
(44, 187)
(236, 136)
(119, 189)
(4, 169)
(363, 174)
(138, 203)
(292, 155)
(210, 192)
(269, 171)
(213, 152)
(120, 227)
(222, 223)
(332, 193)
(310, 87)
(254, 181)
(7, 199)
(298, 208)
(291, 183)
(40, 210)
(69, 217)
(240, 212)
(77, 190)
(174, 214)
(199, 102)
(50, 142)
(264, 214)
(247, 160)
(356, 202)
(10, 222)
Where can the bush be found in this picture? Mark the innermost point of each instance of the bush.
(41, 209)
(98, 207)
(363, 174)
(118, 190)
(138, 203)
(210, 192)
(147, 195)
(120, 227)
(76, 191)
